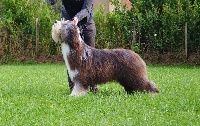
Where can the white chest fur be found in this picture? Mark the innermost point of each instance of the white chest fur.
(65, 52)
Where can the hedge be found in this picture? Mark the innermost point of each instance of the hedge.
(151, 27)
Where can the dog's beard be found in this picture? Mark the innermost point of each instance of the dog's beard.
(56, 32)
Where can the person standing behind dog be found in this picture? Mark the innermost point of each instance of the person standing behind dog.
(81, 12)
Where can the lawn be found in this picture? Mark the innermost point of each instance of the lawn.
(38, 95)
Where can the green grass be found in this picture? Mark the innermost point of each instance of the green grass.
(38, 95)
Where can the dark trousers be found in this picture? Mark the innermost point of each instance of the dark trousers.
(88, 33)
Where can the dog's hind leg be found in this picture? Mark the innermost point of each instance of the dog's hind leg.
(128, 89)
(79, 90)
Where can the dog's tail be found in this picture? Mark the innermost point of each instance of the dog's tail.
(152, 87)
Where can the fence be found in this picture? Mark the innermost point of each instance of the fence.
(27, 47)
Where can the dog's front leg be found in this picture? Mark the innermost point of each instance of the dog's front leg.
(79, 90)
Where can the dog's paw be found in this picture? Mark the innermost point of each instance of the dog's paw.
(78, 90)
(77, 94)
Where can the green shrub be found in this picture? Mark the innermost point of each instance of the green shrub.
(18, 19)
(160, 26)
(166, 20)
(114, 29)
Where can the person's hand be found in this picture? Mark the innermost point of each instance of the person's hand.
(75, 20)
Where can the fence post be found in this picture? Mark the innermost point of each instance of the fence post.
(186, 41)
(134, 33)
(1, 44)
(37, 35)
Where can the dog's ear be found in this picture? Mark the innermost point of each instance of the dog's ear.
(63, 19)
(65, 22)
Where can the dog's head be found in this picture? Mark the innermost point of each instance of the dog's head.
(64, 30)
(56, 29)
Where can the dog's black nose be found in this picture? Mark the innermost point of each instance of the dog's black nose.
(55, 22)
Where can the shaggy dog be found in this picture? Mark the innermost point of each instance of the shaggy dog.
(87, 65)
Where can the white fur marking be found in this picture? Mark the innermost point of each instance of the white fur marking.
(78, 90)
(65, 52)
(56, 31)
(80, 39)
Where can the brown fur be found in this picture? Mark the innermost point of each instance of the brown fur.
(97, 66)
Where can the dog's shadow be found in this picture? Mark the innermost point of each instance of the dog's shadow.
(109, 92)
(111, 89)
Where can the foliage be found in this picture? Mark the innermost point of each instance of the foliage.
(18, 19)
(160, 26)
(166, 20)
(114, 29)
(38, 95)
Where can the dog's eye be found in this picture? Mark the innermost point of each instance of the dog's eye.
(55, 22)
